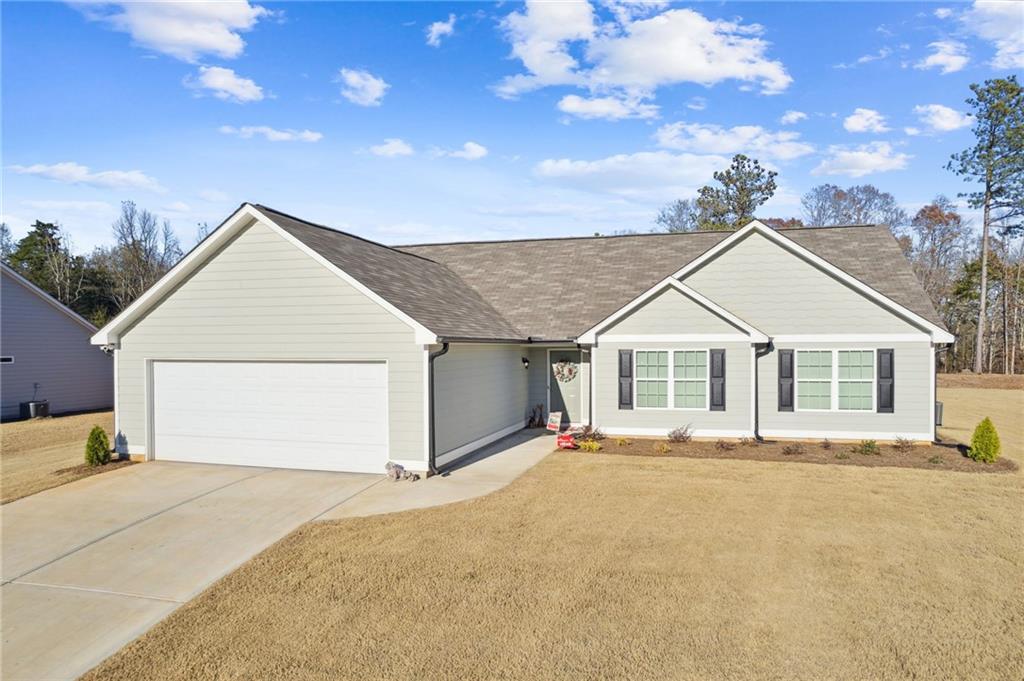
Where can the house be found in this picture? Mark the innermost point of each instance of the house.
(45, 353)
(278, 342)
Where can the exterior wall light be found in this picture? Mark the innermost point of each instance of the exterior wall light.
(526, 363)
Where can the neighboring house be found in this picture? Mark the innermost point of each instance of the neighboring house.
(45, 353)
(279, 342)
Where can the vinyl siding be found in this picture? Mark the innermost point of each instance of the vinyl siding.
(479, 390)
(262, 298)
(51, 349)
(671, 312)
(912, 415)
(781, 293)
(734, 421)
(538, 381)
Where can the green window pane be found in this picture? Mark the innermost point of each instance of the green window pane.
(691, 364)
(856, 364)
(855, 396)
(652, 394)
(651, 364)
(814, 364)
(691, 394)
(814, 394)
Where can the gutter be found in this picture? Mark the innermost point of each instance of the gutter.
(432, 461)
(758, 354)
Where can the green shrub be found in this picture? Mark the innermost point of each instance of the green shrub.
(623, 441)
(97, 447)
(935, 459)
(867, 447)
(842, 455)
(985, 442)
(590, 446)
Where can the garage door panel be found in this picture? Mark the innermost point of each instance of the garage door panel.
(321, 416)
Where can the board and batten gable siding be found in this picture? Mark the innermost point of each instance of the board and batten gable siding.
(480, 393)
(262, 298)
(913, 405)
(51, 349)
(735, 421)
(781, 293)
(670, 312)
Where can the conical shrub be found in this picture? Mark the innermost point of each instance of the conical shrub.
(97, 447)
(985, 442)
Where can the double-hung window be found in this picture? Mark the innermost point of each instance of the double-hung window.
(835, 380)
(671, 379)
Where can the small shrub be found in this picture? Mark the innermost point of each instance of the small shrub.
(590, 434)
(869, 447)
(590, 446)
(623, 441)
(903, 445)
(826, 444)
(681, 434)
(662, 448)
(724, 446)
(97, 447)
(793, 449)
(747, 442)
(985, 445)
(935, 459)
(842, 455)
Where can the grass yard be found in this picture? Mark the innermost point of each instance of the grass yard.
(611, 567)
(965, 407)
(44, 453)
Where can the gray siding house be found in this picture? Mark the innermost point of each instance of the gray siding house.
(45, 353)
(280, 342)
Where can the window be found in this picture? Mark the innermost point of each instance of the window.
(6, 360)
(690, 379)
(835, 380)
(856, 380)
(652, 379)
(814, 379)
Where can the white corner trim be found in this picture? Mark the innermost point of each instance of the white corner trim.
(844, 434)
(678, 338)
(938, 334)
(48, 299)
(426, 403)
(412, 465)
(470, 447)
(240, 219)
(662, 432)
(853, 338)
(754, 334)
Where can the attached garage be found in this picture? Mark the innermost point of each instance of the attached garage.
(312, 415)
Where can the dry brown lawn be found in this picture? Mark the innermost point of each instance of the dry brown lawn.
(991, 381)
(965, 407)
(611, 567)
(44, 453)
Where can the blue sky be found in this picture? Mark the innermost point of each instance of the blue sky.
(410, 122)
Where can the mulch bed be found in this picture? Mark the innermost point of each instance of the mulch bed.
(944, 456)
(83, 470)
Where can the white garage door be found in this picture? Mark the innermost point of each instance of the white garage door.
(312, 415)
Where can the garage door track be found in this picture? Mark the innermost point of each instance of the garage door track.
(89, 566)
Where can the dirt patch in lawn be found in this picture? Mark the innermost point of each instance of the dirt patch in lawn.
(936, 457)
(44, 453)
(611, 567)
(987, 381)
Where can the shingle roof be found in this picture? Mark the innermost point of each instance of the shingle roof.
(555, 289)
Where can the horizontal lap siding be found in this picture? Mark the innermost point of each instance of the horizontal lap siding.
(913, 395)
(670, 312)
(262, 298)
(735, 418)
(51, 349)
(478, 390)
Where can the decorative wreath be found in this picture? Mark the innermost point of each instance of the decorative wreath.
(565, 371)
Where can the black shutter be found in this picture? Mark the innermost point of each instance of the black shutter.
(785, 380)
(625, 379)
(718, 380)
(886, 382)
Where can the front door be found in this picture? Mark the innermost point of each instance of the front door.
(564, 384)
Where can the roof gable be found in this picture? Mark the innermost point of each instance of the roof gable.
(47, 298)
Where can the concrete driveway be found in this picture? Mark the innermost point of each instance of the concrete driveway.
(89, 566)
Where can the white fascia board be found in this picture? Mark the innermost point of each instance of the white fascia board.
(48, 299)
(938, 334)
(755, 335)
(241, 218)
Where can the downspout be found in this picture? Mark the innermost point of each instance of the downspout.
(758, 354)
(432, 462)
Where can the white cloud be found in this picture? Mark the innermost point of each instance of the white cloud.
(184, 30)
(646, 175)
(225, 84)
(867, 58)
(949, 56)
(633, 55)
(213, 195)
(865, 120)
(941, 118)
(749, 139)
(608, 108)
(943, 13)
(176, 207)
(70, 172)
(912, 131)
(875, 157)
(361, 87)
(697, 103)
(1002, 24)
(470, 151)
(392, 147)
(272, 134)
(440, 29)
(791, 117)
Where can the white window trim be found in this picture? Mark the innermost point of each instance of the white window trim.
(834, 381)
(671, 380)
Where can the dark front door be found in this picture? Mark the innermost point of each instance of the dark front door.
(565, 395)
